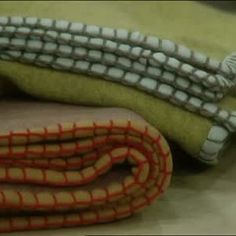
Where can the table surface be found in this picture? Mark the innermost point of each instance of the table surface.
(200, 200)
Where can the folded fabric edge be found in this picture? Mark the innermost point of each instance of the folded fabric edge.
(87, 217)
(32, 80)
(214, 145)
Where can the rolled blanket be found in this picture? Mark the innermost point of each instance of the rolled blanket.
(64, 165)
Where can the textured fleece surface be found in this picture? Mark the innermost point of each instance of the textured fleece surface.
(87, 166)
(182, 22)
(52, 85)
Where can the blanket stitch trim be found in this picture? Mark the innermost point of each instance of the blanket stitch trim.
(158, 66)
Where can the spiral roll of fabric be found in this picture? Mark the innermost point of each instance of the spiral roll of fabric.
(94, 165)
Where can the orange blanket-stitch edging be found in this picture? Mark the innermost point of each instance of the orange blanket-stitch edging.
(62, 158)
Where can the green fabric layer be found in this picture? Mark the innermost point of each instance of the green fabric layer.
(61, 86)
(190, 23)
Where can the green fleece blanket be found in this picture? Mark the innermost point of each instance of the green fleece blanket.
(200, 126)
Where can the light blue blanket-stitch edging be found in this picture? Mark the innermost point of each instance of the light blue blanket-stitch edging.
(160, 67)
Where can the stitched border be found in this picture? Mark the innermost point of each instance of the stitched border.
(169, 71)
(215, 143)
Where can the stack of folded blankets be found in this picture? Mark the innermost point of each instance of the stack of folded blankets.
(85, 111)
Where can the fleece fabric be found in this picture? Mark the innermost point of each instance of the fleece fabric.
(182, 22)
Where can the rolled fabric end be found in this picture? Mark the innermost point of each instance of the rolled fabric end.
(80, 172)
